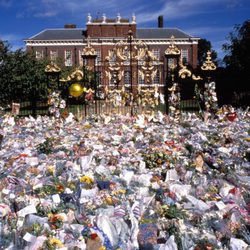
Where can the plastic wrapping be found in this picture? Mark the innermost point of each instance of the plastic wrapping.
(125, 182)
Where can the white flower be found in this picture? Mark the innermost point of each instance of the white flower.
(52, 110)
(62, 104)
(57, 113)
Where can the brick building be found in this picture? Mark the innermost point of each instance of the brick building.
(104, 34)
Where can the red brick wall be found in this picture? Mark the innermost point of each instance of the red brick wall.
(110, 30)
(60, 52)
(104, 52)
(195, 55)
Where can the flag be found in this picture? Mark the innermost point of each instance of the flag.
(119, 211)
(136, 210)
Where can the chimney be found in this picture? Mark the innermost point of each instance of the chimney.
(69, 26)
(160, 21)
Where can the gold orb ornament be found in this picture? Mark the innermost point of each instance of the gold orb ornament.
(76, 89)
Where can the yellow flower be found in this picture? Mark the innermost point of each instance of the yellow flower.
(49, 215)
(51, 169)
(109, 200)
(55, 242)
(120, 191)
(102, 248)
(87, 126)
(219, 161)
(86, 179)
(213, 189)
(72, 186)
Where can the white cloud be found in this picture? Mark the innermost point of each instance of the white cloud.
(234, 4)
(10, 37)
(217, 35)
(46, 14)
(76, 8)
(178, 9)
(6, 3)
(14, 40)
(203, 31)
(146, 11)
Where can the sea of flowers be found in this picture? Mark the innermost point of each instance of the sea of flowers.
(122, 182)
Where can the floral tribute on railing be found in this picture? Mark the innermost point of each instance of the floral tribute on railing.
(144, 97)
(210, 97)
(174, 102)
(56, 103)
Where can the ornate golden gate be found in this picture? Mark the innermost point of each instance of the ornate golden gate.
(129, 79)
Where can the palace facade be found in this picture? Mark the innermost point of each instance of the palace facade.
(119, 35)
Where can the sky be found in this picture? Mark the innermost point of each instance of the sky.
(209, 19)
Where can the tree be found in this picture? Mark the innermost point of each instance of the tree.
(204, 46)
(237, 59)
(234, 79)
(22, 76)
(4, 48)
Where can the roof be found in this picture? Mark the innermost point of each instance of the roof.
(77, 34)
(59, 34)
(161, 33)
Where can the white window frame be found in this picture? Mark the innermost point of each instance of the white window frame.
(39, 55)
(156, 79)
(127, 77)
(156, 53)
(53, 55)
(170, 61)
(140, 80)
(99, 77)
(127, 54)
(99, 57)
(68, 58)
(184, 54)
(113, 60)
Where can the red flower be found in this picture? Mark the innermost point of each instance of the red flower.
(172, 195)
(231, 116)
(93, 236)
(233, 191)
(23, 155)
(59, 188)
(169, 143)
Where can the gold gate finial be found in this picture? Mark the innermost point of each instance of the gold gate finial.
(172, 49)
(208, 64)
(89, 50)
(52, 67)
